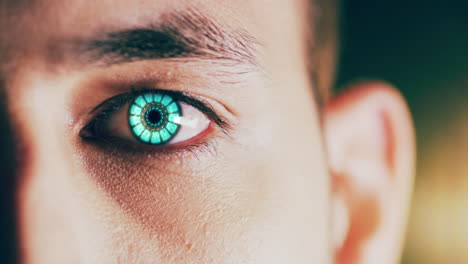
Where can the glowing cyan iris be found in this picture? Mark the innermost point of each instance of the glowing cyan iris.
(153, 118)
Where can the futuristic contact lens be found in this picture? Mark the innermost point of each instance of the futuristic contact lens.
(153, 118)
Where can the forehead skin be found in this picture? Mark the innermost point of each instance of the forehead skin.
(37, 27)
(262, 199)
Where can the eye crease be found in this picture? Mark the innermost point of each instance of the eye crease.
(153, 118)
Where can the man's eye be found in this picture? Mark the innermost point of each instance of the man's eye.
(149, 118)
(158, 119)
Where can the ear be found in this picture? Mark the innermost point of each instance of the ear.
(371, 154)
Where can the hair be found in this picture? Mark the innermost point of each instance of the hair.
(322, 38)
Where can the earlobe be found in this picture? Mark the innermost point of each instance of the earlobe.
(370, 148)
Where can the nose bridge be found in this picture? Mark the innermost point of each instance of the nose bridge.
(33, 165)
(35, 108)
(41, 138)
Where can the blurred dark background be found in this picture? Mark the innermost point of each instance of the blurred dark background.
(422, 48)
(8, 239)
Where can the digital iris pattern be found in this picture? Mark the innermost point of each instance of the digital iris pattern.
(153, 118)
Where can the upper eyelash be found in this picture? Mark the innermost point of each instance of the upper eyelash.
(103, 111)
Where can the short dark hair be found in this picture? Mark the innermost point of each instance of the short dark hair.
(322, 38)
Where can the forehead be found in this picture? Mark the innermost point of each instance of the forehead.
(74, 16)
(35, 24)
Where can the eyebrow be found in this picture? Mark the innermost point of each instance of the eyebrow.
(188, 34)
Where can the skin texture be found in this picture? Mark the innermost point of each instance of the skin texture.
(262, 192)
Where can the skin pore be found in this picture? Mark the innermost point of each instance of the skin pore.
(258, 185)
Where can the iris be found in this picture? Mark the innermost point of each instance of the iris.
(153, 118)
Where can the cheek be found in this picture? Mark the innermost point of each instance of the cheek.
(193, 208)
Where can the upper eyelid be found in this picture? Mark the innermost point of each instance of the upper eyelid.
(171, 76)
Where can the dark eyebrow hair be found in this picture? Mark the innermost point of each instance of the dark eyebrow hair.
(188, 34)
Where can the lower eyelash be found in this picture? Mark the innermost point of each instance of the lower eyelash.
(178, 155)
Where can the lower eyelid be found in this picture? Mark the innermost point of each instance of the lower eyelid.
(146, 155)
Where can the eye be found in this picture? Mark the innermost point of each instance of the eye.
(158, 119)
(150, 118)
(154, 118)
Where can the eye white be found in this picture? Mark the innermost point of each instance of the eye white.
(192, 123)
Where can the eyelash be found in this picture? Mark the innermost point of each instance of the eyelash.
(93, 131)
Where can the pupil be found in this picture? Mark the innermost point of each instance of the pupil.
(154, 117)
